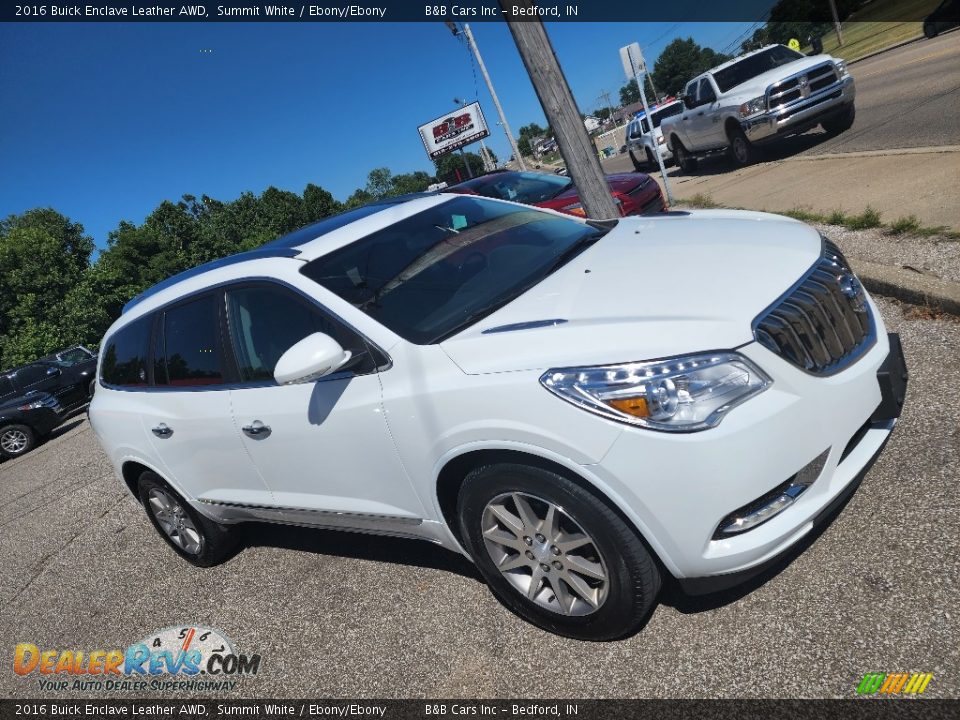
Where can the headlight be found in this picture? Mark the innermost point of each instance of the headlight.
(682, 394)
(752, 107)
(31, 406)
(841, 68)
(661, 140)
(574, 209)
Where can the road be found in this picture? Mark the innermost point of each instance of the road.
(340, 615)
(901, 156)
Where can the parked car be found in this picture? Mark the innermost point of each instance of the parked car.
(71, 383)
(946, 16)
(74, 354)
(634, 193)
(577, 406)
(642, 142)
(758, 98)
(25, 420)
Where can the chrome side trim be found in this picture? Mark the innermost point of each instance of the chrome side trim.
(239, 512)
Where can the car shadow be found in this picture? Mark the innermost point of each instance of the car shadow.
(674, 596)
(782, 149)
(358, 546)
(72, 422)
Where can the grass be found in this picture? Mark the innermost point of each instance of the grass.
(877, 26)
(868, 219)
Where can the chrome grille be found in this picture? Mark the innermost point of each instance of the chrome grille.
(823, 324)
(801, 86)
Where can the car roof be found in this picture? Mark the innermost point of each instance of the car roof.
(292, 244)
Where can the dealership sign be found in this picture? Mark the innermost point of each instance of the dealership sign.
(452, 132)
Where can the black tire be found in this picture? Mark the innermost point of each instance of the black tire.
(930, 29)
(841, 122)
(216, 542)
(16, 440)
(637, 165)
(742, 151)
(632, 579)
(685, 160)
(92, 389)
(652, 160)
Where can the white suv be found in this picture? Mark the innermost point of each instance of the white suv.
(578, 406)
(641, 143)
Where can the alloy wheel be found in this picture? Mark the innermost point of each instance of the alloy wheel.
(740, 150)
(174, 521)
(13, 441)
(545, 554)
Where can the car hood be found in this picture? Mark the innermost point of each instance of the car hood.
(652, 287)
(758, 85)
(618, 182)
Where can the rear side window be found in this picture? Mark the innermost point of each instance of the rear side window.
(125, 357)
(190, 352)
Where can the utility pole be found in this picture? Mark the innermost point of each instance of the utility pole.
(493, 93)
(836, 22)
(579, 153)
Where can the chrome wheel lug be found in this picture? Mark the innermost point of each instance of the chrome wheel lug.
(527, 540)
(555, 550)
(544, 567)
(529, 555)
(557, 565)
(541, 538)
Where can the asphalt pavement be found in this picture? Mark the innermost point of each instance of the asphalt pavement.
(341, 615)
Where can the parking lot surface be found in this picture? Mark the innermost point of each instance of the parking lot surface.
(341, 615)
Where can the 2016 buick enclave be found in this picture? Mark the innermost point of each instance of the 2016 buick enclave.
(577, 406)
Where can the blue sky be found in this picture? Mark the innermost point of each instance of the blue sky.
(103, 121)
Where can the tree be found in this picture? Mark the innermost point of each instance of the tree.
(43, 255)
(681, 61)
(630, 93)
(450, 167)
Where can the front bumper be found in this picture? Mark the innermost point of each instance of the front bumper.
(801, 116)
(679, 488)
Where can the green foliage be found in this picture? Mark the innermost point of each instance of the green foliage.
(681, 61)
(630, 93)
(450, 164)
(902, 225)
(869, 218)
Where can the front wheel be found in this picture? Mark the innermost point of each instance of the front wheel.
(930, 29)
(841, 123)
(16, 440)
(741, 149)
(555, 554)
(685, 160)
(637, 165)
(194, 537)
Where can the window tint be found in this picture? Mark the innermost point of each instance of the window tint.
(74, 356)
(266, 321)
(691, 90)
(706, 92)
(191, 338)
(125, 357)
(660, 115)
(754, 65)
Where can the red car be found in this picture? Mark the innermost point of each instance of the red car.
(635, 193)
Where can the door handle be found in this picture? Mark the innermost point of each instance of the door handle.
(256, 429)
(162, 431)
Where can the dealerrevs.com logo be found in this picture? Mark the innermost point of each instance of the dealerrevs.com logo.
(184, 658)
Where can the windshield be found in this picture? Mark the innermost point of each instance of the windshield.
(522, 187)
(754, 65)
(441, 270)
(659, 115)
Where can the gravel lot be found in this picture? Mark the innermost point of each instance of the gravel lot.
(338, 615)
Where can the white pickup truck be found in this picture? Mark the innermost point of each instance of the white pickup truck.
(757, 98)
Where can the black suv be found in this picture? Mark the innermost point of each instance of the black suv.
(71, 383)
(24, 419)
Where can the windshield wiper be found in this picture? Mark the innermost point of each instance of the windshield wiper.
(571, 252)
(560, 191)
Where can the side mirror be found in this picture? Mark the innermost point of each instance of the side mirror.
(313, 357)
(53, 371)
(688, 102)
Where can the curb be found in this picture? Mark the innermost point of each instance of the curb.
(909, 286)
